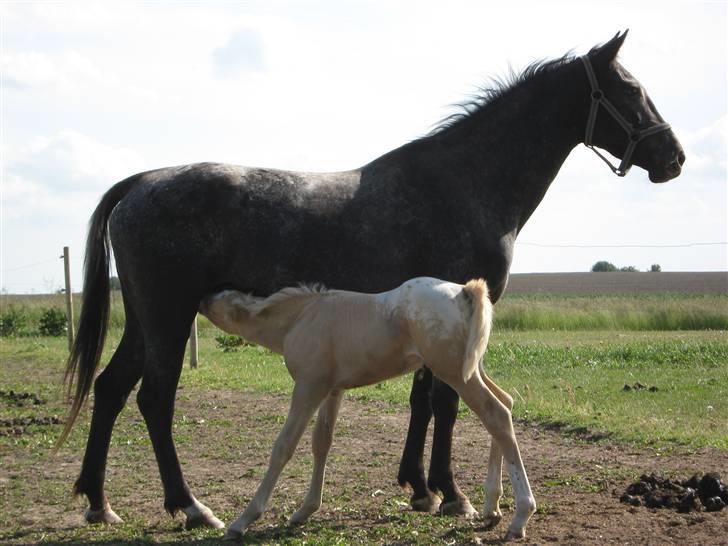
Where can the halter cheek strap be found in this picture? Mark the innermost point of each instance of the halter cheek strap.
(635, 135)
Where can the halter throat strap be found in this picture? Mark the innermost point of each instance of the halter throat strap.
(634, 134)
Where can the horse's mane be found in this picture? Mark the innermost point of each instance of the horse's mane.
(290, 295)
(498, 87)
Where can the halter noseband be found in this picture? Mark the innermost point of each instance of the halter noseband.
(635, 134)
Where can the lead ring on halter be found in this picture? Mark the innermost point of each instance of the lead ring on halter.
(635, 135)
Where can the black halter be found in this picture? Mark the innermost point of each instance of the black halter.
(635, 134)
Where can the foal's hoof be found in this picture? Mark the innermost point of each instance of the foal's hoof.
(105, 515)
(492, 519)
(515, 535)
(204, 520)
(458, 507)
(233, 535)
(428, 504)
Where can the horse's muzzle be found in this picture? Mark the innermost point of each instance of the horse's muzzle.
(670, 171)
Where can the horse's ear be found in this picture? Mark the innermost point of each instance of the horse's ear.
(608, 52)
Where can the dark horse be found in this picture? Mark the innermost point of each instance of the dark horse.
(449, 205)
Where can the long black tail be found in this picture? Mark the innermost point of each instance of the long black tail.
(89, 343)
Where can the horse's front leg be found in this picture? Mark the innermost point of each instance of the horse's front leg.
(306, 398)
(412, 469)
(322, 436)
(445, 403)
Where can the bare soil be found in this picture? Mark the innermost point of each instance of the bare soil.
(227, 437)
(620, 282)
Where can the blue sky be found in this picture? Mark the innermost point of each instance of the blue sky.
(94, 92)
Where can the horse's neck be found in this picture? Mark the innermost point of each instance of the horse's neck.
(516, 147)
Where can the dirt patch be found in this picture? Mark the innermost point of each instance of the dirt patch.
(225, 440)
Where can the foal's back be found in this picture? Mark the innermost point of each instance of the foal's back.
(355, 339)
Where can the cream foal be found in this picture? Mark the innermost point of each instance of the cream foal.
(334, 340)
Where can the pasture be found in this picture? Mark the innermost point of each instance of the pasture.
(565, 359)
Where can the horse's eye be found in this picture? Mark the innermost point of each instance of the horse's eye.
(633, 91)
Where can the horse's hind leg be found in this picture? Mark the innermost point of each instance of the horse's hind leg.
(322, 435)
(493, 481)
(165, 340)
(445, 408)
(111, 389)
(497, 419)
(306, 398)
(411, 468)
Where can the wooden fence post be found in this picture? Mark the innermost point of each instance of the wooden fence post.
(194, 355)
(69, 296)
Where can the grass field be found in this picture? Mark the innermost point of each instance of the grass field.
(565, 360)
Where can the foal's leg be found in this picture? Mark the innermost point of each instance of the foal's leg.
(322, 436)
(306, 398)
(493, 481)
(497, 419)
(111, 389)
(412, 469)
(165, 341)
(445, 407)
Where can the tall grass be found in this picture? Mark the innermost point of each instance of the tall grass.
(660, 312)
(518, 312)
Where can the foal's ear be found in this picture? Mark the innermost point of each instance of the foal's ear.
(608, 52)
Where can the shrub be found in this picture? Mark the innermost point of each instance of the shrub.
(603, 266)
(230, 343)
(11, 322)
(53, 322)
(655, 268)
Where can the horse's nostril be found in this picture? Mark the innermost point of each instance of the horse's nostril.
(681, 158)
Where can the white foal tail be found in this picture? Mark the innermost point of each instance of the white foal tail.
(477, 292)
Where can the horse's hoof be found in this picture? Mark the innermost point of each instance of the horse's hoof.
(492, 519)
(105, 515)
(204, 520)
(515, 535)
(428, 504)
(458, 507)
(232, 534)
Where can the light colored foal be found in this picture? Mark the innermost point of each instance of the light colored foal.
(335, 340)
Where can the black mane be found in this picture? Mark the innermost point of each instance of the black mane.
(498, 87)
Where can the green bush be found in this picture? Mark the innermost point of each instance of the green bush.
(11, 322)
(53, 322)
(228, 344)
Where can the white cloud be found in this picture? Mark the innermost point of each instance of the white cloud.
(72, 162)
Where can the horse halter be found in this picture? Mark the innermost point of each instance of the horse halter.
(635, 135)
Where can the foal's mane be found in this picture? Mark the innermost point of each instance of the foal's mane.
(498, 87)
(301, 294)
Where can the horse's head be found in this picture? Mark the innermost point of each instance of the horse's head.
(623, 120)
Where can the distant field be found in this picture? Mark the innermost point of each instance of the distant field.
(620, 282)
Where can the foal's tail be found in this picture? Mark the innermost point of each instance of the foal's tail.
(89, 342)
(480, 321)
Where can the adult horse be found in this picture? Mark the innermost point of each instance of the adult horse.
(449, 205)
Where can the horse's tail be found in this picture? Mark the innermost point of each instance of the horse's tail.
(476, 291)
(93, 323)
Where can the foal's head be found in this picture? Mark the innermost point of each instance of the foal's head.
(656, 148)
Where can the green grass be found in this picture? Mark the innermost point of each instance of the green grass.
(649, 312)
(569, 380)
